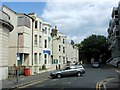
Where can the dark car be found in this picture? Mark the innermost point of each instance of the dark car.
(68, 71)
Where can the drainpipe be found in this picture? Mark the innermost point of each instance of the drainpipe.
(33, 19)
(32, 41)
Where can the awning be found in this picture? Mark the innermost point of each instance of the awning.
(47, 51)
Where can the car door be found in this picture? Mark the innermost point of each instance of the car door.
(66, 71)
(73, 71)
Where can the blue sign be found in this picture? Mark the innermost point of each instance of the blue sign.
(46, 51)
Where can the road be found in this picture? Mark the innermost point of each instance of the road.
(88, 80)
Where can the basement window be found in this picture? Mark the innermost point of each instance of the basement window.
(117, 33)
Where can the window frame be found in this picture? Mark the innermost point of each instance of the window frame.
(39, 58)
(40, 37)
(45, 43)
(45, 58)
(36, 26)
(45, 30)
(35, 58)
(35, 40)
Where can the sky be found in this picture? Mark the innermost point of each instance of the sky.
(74, 18)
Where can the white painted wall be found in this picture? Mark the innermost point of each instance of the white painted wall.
(5, 28)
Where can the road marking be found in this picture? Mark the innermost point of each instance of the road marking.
(40, 85)
(97, 86)
(55, 79)
(33, 83)
(28, 83)
(103, 82)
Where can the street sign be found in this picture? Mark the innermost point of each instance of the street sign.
(18, 56)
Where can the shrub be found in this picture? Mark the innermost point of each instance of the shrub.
(43, 66)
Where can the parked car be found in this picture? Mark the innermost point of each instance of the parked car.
(68, 71)
(81, 67)
(96, 65)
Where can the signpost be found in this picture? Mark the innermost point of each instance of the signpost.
(18, 56)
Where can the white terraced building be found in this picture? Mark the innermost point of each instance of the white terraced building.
(58, 47)
(63, 52)
(72, 53)
(33, 43)
(41, 43)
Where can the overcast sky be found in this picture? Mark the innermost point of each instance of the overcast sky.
(78, 19)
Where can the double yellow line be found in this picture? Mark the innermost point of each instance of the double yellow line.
(98, 85)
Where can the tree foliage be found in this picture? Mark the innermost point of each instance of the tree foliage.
(94, 46)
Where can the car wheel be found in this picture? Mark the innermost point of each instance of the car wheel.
(59, 75)
(79, 74)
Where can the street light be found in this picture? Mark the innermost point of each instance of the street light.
(18, 54)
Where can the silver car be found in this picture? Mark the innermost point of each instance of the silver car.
(81, 67)
(68, 71)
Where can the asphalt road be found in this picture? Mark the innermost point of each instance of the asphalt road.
(89, 80)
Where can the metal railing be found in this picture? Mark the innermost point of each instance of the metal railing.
(11, 71)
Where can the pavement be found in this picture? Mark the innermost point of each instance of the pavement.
(111, 83)
(24, 80)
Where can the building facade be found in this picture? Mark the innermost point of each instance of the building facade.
(33, 44)
(72, 53)
(20, 47)
(58, 47)
(41, 43)
(63, 52)
(30, 41)
(114, 36)
(5, 28)
(47, 44)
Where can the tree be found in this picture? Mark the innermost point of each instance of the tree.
(94, 46)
